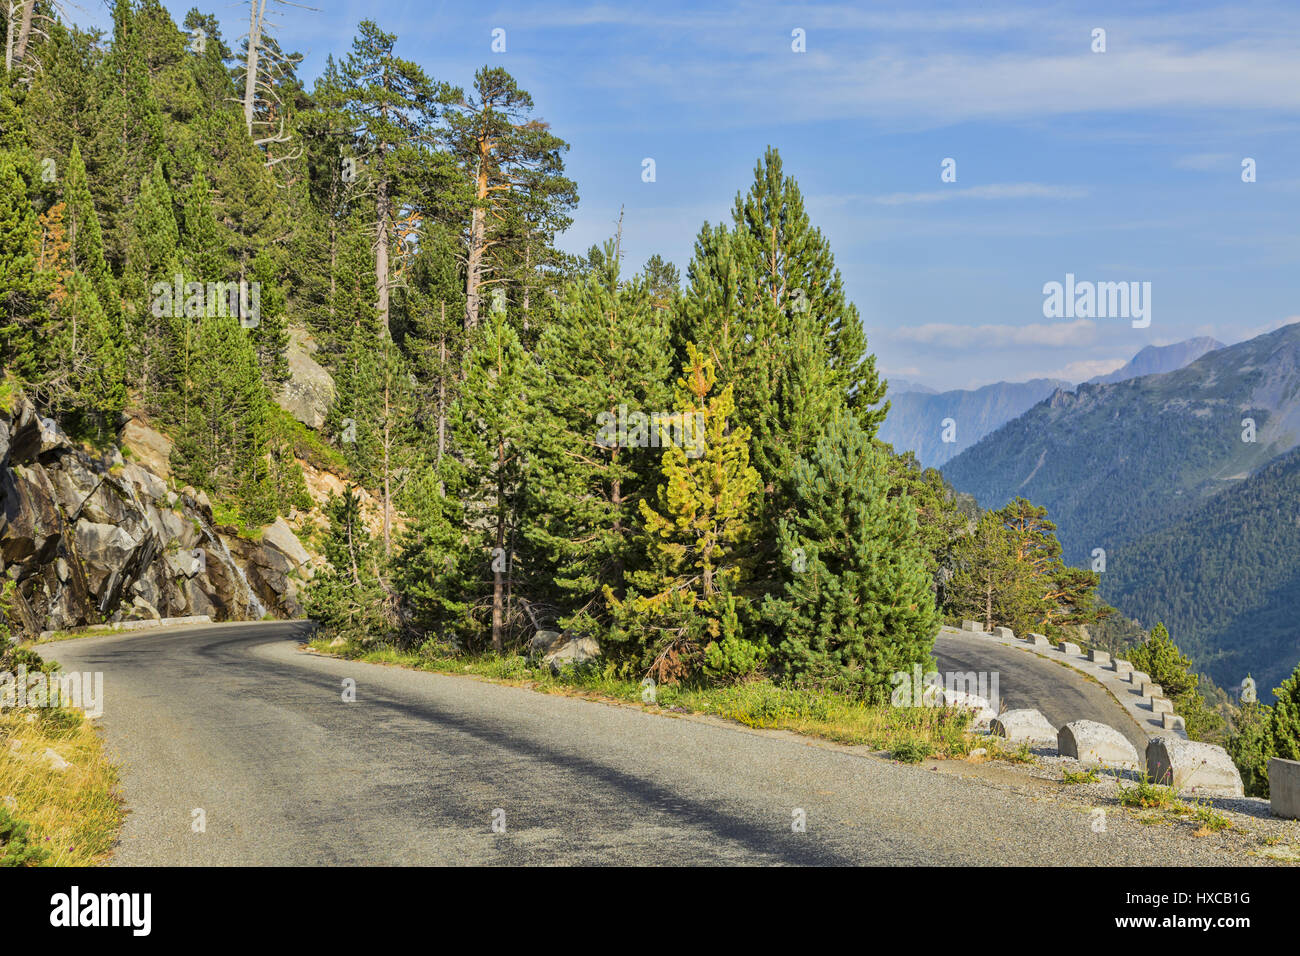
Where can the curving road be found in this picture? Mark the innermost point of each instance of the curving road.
(239, 722)
(1027, 680)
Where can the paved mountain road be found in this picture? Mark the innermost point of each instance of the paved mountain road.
(238, 721)
(1027, 680)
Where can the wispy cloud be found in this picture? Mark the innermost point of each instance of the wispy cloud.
(948, 335)
(990, 191)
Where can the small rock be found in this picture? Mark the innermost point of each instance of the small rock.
(55, 761)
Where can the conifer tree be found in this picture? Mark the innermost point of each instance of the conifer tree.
(601, 359)
(857, 604)
(492, 433)
(1284, 722)
(222, 438)
(682, 612)
(1161, 658)
(765, 300)
(152, 258)
(270, 335)
(348, 596)
(390, 102)
(515, 191)
(23, 290)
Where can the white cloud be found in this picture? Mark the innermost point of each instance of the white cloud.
(1079, 371)
(1208, 162)
(990, 191)
(1050, 334)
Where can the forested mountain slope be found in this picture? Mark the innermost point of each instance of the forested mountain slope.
(1225, 578)
(1115, 462)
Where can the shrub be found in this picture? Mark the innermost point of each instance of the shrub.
(16, 848)
(1249, 747)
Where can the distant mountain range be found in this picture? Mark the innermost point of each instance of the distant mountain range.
(1198, 527)
(917, 421)
(1156, 359)
(917, 413)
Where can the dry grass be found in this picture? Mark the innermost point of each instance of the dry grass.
(74, 814)
(908, 733)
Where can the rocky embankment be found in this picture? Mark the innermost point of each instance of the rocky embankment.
(96, 539)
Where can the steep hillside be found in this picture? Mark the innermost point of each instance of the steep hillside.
(1115, 462)
(1225, 578)
(89, 539)
(915, 420)
(1158, 359)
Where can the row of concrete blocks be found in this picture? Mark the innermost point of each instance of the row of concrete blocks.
(1195, 768)
(1123, 670)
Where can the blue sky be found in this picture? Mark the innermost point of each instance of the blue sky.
(1115, 166)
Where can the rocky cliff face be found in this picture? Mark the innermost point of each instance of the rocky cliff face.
(93, 539)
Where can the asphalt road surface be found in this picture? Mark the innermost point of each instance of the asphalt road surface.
(238, 722)
(1027, 680)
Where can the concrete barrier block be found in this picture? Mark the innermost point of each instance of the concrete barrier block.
(1172, 721)
(1065, 647)
(1121, 668)
(1138, 678)
(1151, 690)
(1096, 745)
(1284, 787)
(971, 626)
(1192, 766)
(1161, 706)
(1005, 633)
(1039, 640)
(1023, 726)
(1098, 657)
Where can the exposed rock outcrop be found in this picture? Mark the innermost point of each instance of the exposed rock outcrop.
(92, 539)
(309, 391)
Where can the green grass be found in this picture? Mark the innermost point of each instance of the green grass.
(1072, 777)
(904, 732)
(1147, 795)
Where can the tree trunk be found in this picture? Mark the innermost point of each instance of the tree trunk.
(381, 254)
(15, 50)
(256, 11)
(442, 387)
(498, 577)
(388, 438)
(474, 271)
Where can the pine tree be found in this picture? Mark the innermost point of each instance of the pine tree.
(347, 597)
(222, 439)
(988, 583)
(23, 290)
(130, 133)
(857, 604)
(603, 357)
(390, 102)
(493, 430)
(204, 243)
(1168, 667)
(152, 264)
(682, 612)
(514, 190)
(270, 335)
(766, 302)
(435, 572)
(1284, 722)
